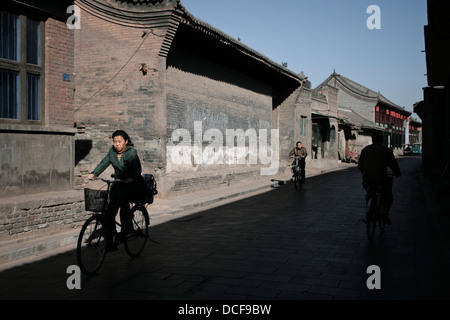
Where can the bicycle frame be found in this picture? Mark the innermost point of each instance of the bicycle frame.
(375, 208)
(109, 183)
(297, 177)
(91, 245)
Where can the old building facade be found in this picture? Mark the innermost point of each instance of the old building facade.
(203, 109)
(203, 95)
(36, 122)
(360, 111)
(36, 115)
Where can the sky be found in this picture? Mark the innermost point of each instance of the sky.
(322, 36)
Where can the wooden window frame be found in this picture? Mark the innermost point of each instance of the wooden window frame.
(23, 68)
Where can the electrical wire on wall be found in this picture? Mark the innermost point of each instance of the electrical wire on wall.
(98, 10)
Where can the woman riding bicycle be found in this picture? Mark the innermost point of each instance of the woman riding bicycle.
(127, 167)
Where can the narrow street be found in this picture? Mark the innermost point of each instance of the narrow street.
(280, 245)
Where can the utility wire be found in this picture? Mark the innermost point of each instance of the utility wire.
(129, 59)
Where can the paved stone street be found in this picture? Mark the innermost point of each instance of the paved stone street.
(282, 244)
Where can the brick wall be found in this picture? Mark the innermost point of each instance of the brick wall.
(190, 85)
(113, 94)
(59, 60)
(219, 98)
(31, 217)
(39, 158)
(290, 112)
(202, 91)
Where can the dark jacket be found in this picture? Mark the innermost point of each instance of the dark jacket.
(374, 161)
(302, 153)
(128, 168)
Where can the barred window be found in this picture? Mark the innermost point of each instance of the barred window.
(303, 126)
(21, 71)
(9, 36)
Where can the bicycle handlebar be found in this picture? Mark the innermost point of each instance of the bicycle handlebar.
(109, 181)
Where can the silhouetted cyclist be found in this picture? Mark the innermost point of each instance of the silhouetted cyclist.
(373, 163)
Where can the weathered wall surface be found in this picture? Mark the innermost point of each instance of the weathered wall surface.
(113, 92)
(38, 157)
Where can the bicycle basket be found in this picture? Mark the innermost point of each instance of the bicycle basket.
(94, 199)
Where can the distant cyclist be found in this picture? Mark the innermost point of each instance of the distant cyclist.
(127, 166)
(373, 163)
(301, 152)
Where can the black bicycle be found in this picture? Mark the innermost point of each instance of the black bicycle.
(91, 246)
(297, 173)
(375, 210)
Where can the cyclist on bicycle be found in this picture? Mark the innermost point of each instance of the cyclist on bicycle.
(373, 163)
(127, 166)
(301, 152)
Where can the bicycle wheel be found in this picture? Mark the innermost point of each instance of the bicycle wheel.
(297, 181)
(371, 220)
(381, 221)
(91, 245)
(134, 242)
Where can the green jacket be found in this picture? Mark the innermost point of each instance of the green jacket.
(129, 166)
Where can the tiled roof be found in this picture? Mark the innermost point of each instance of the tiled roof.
(194, 22)
(363, 91)
(351, 117)
(153, 13)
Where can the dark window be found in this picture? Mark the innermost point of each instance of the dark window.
(33, 41)
(9, 94)
(303, 126)
(9, 36)
(21, 56)
(33, 93)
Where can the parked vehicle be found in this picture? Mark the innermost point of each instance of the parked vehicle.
(412, 149)
(417, 148)
(407, 149)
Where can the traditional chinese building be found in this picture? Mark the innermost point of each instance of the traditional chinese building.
(362, 110)
(153, 69)
(415, 131)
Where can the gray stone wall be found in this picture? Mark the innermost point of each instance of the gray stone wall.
(365, 107)
(30, 217)
(34, 161)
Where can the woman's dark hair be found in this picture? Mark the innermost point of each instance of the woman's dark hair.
(124, 135)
